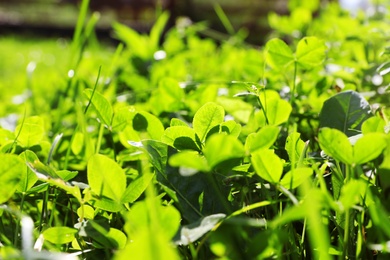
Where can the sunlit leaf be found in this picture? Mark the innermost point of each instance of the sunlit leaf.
(59, 235)
(102, 106)
(106, 177)
(190, 160)
(267, 165)
(220, 148)
(336, 144)
(294, 146)
(28, 177)
(278, 54)
(136, 188)
(181, 137)
(263, 139)
(31, 131)
(310, 52)
(369, 147)
(207, 117)
(11, 171)
(293, 179)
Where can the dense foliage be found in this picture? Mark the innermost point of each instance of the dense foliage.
(189, 148)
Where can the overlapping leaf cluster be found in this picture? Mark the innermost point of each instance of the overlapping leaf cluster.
(193, 149)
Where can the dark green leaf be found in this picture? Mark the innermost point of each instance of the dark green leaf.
(346, 112)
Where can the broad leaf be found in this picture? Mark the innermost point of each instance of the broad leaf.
(102, 106)
(207, 117)
(189, 160)
(11, 171)
(293, 179)
(28, 177)
(374, 124)
(369, 147)
(346, 112)
(181, 138)
(277, 111)
(31, 131)
(136, 188)
(267, 165)
(263, 139)
(294, 146)
(278, 54)
(106, 177)
(220, 148)
(336, 144)
(310, 52)
(146, 122)
(168, 97)
(59, 235)
(231, 128)
(352, 193)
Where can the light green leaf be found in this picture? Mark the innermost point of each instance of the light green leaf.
(267, 165)
(374, 124)
(293, 179)
(31, 131)
(59, 235)
(231, 128)
(168, 97)
(277, 111)
(310, 52)
(28, 177)
(369, 147)
(102, 106)
(87, 212)
(207, 117)
(137, 187)
(177, 122)
(122, 118)
(78, 143)
(189, 160)
(294, 146)
(106, 177)
(66, 175)
(166, 221)
(336, 144)
(146, 122)
(278, 54)
(11, 169)
(220, 148)
(114, 239)
(181, 137)
(352, 193)
(263, 139)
